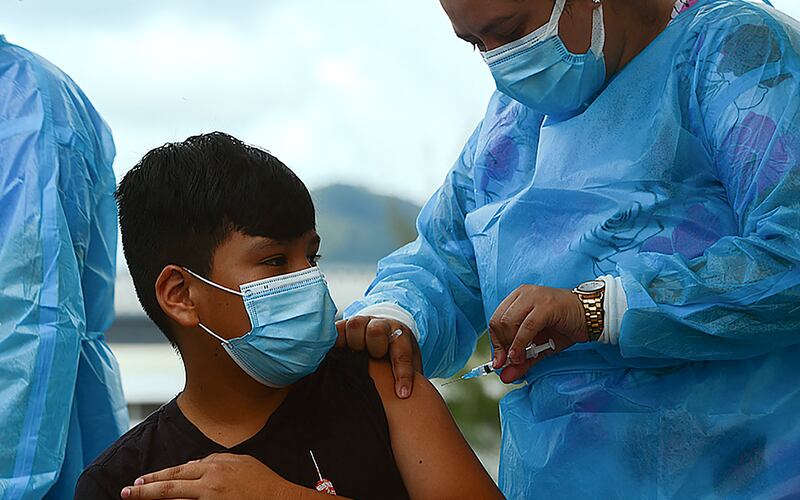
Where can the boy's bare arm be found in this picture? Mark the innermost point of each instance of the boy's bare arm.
(433, 457)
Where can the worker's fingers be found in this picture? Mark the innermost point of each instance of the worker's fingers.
(500, 332)
(529, 328)
(512, 373)
(496, 323)
(341, 333)
(377, 337)
(499, 350)
(356, 332)
(401, 354)
(175, 489)
(504, 327)
(509, 300)
(511, 321)
(507, 323)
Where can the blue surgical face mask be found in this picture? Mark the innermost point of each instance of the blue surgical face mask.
(292, 318)
(540, 72)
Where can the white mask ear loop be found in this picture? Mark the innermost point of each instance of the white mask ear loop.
(208, 331)
(598, 26)
(555, 17)
(209, 282)
(220, 287)
(598, 31)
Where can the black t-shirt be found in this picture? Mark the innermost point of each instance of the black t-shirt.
(336, 413)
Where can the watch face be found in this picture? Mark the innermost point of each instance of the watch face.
(591, 286)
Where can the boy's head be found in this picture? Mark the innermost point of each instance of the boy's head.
(229, 212)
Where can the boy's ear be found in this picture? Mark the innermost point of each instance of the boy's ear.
(172, 293)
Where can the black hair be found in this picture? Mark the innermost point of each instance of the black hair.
(184, 199)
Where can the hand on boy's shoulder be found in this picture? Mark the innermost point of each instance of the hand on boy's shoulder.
(376, 336)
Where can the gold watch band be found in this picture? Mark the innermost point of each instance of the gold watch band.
(592, 307)
(593, 311)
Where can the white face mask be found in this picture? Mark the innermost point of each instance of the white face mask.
(292, 318)
(540, 72)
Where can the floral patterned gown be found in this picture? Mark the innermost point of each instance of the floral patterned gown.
(682, 177)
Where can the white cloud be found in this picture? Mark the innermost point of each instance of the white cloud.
(339, 74)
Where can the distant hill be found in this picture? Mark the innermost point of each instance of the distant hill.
(360, 227)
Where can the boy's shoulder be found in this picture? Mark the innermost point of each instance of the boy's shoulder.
(343, 383)
(122, 462)
(344, 370)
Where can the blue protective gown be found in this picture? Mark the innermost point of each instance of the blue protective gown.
(61, 401)
(683, 178)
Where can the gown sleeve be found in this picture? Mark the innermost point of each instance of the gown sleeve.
(38, 342)
(61, 398)
(741, 298)
(435, 278)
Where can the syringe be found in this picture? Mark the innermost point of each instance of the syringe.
(532, 351)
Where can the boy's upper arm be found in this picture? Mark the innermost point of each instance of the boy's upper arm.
(433, 457)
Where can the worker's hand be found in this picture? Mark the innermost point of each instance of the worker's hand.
(534, 314)
(218, 477)
(376, 336)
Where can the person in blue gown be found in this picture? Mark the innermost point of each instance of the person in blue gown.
(653, 147)
(61, 400)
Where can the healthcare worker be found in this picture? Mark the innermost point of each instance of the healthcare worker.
(61, 401)
(646, 152)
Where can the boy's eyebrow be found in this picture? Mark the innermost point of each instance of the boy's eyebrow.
(262, 244)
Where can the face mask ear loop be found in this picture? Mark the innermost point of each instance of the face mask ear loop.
(598, 32)
(555, 17)
(220, 287)
(209, 282)
(208, 331)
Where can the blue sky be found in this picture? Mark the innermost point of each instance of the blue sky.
(368, 92)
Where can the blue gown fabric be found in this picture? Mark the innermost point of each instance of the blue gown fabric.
(61, 400)
(683, 178)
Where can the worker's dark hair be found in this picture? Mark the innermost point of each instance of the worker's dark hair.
(182, 200)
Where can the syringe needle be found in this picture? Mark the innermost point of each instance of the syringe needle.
(452, 381)
(532, 351)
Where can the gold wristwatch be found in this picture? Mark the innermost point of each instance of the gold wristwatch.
(591, 294)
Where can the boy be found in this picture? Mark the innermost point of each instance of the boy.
(221, 244)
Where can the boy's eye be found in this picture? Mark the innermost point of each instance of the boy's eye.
(275, 261)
